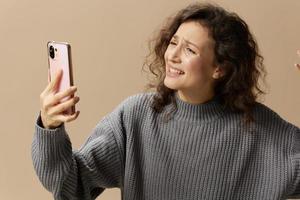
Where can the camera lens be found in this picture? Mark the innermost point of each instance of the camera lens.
(51, 52)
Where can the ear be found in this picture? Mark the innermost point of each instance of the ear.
(218, 73)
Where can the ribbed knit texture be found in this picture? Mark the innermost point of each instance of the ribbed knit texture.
(203, 152)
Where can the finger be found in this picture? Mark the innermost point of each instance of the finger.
(48, 86)
(73, 116)
(60, 108)
(298, 52)
(68, 118)
(68, 92)
(51, 100)
(49, 76)
(53, 85)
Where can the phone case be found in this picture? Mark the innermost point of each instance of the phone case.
(59, 57)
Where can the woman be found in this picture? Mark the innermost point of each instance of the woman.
(201, 135)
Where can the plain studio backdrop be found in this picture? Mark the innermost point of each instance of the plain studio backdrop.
(109, 43)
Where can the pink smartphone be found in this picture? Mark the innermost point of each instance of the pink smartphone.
(59, 57)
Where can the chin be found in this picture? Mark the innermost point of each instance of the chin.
(171, 85)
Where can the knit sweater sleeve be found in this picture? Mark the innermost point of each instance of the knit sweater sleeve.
(295, 190)
(84, 173)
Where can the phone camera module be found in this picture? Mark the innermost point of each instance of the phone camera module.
(51, 52)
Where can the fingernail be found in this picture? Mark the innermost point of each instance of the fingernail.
(59, 71)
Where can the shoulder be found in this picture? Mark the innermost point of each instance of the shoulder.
(132, 108)
(263, 111)
(137, 101)
(134, 105)
(139, 98)
(267, 117)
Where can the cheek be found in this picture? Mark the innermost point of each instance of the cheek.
(167, 50)
(197, 69)
(166, 55)
(194, 65)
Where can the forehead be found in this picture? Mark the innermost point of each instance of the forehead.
(195, 33)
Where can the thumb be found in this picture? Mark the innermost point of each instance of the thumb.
(54, 84)
(298, 65)
(49, 76)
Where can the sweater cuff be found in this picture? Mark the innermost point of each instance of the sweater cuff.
(40, 123)
(56, 135)
(51, 144)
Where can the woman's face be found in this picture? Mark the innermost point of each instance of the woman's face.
(189, 59)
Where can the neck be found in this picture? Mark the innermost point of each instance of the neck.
(204, 112)
(195, 98)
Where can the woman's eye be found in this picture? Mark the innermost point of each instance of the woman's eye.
(173, 43)
(191, 51)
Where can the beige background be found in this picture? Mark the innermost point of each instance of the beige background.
(109, 40)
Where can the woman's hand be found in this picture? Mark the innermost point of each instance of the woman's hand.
(298, 64)
(52, 109)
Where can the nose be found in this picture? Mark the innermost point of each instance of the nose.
(175, 54)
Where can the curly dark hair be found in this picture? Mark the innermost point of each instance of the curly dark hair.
(236, 52)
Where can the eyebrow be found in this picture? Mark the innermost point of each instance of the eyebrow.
(189, 42)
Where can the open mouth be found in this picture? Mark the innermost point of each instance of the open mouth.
(175, 71)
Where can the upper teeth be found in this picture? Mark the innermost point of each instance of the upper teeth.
(172, 70)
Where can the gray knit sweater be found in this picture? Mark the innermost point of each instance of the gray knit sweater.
(203, 152)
